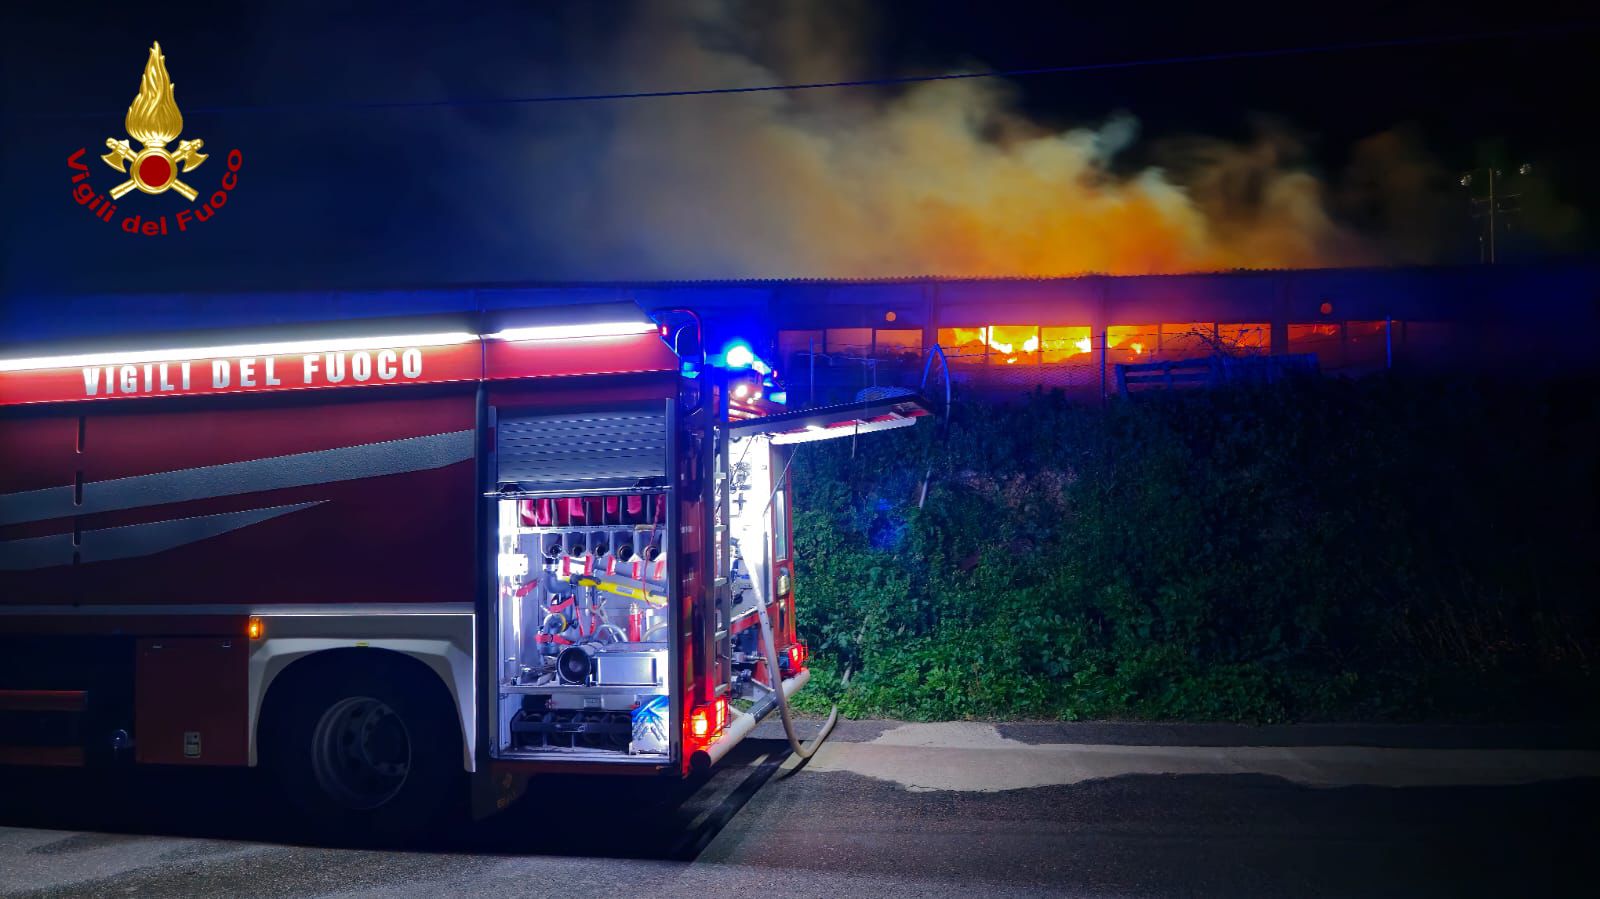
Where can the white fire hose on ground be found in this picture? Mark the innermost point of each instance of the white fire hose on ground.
(770, 649)
(753, 546)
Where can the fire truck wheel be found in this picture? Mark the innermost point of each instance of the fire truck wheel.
(370, 749)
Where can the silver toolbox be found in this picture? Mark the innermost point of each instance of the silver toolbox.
(631, 668)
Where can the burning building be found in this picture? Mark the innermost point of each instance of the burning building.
(1006, 335)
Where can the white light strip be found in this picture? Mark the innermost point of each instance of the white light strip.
(866, 427)
(322, 345)
(568, 332)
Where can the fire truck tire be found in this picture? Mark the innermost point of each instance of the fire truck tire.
(368, 749)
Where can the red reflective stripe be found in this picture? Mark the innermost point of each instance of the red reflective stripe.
(58, 756)
(439, 364)
(43, 700)
(475, 360)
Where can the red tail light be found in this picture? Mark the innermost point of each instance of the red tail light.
(708, 721)
(797, 656)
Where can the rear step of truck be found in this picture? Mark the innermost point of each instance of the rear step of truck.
(42, 727)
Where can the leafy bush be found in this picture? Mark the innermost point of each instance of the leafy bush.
(1324, 549)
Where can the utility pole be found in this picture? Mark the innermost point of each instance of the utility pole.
(1490, 207)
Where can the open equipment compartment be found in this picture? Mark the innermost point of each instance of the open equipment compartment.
(761, 569)
(606, 652)
(585, 601)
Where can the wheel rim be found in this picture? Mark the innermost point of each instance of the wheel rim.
(361, 752)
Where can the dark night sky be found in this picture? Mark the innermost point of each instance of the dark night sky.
(333, 193)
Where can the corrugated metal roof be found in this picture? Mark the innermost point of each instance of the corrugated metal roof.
(45, 318)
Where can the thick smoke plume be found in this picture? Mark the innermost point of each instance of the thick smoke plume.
(945, 178)
(952, 178)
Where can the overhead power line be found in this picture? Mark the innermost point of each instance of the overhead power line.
(1566, 29)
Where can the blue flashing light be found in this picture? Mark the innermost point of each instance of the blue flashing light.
(738, 355)
(689, 370)
(781, 397)
(761, 367)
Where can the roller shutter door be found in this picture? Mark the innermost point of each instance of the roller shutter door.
(583, 450)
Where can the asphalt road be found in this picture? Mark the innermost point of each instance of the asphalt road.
(831, 831)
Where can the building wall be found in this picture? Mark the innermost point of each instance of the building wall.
(1013, 335)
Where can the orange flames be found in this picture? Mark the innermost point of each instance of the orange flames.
(989, 335)
(1129, 335)
(1050, 344)
(1010, 344)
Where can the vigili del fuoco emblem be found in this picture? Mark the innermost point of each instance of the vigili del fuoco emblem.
(153, 120)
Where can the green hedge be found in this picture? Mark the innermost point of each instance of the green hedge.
(1327, 549)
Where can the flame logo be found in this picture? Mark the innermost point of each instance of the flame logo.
(153, 117)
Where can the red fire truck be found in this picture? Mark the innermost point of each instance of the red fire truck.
(395, 559)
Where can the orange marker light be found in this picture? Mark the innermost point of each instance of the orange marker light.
(255, 629)
(700, 723)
